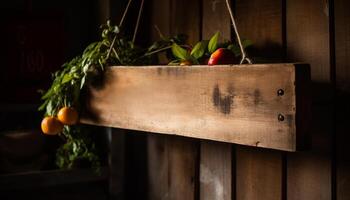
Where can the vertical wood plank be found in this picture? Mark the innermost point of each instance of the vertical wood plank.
(259, 171)
(309, 173)
(182, 166)
(157, 151)
(215, 158)
(262, 22)
(116, 163)
(172, 161)
(259, 174)
(215, 171)
(215, 18)
(157, 147)
(185, 18)
(342, 58)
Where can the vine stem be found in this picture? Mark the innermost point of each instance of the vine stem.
(111, 47)
(156, 51)
(244, 56)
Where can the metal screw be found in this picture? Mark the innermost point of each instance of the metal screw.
(280, 92)
(280, 117)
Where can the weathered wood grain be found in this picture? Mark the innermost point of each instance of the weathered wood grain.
(309, 174)
(259, 174)
(237, 104)
(173, 161)
(216, 18)
(216, 171)
(262, 23)
(215, 157)
(259, 171)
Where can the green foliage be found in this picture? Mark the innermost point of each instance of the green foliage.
(179, 52)
(213, 42)
(203, 49)
(199, 49)
(77, 150)
(68, 83)
(235, 48)
(112, 49)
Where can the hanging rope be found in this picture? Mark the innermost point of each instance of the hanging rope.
(124, 14)
(244, 56)
(120, 24)
(138, 21)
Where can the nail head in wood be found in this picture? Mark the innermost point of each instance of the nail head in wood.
(280, 117)
(280, 92)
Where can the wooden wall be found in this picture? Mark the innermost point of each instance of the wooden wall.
(313, 31)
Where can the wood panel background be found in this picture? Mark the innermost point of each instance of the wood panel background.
(313, 31)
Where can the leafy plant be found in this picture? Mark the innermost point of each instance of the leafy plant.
(68, 83)
(113, 49)
(203, 49)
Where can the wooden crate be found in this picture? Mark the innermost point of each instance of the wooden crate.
(264, 105)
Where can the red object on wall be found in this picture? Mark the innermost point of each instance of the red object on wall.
(33, 48)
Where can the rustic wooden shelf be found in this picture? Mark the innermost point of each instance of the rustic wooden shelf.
(264, 105)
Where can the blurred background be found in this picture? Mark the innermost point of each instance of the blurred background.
(37, 37)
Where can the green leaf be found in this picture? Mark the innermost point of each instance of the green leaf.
(66, 78)
(86, 68)
(180, 52)
(199, 49)
(235, 49)
(82, 83)
(43, 106)
(47, 94)
(49, 108)
(247, 43)
(213, 42)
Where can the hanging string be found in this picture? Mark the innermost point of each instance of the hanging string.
(138, 21)
(120, 24)
(244, 56)
(124, 14)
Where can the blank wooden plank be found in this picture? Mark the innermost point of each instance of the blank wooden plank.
(158, 165)
(215, 158)
(182, 168)
(342, 58)
(157, 145)
(173, 168)
(216, 18)
(258, 171)
(236, 104)
(172, 162)
(262, 23)
(116, 163)
(259, 174)
(185, 19)
(309, 173)
(308, 36)
(216, 171)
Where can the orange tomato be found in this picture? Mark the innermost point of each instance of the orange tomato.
(68, 116)
(51, 126)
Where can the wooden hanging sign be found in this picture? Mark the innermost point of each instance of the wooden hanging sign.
(264, 105)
